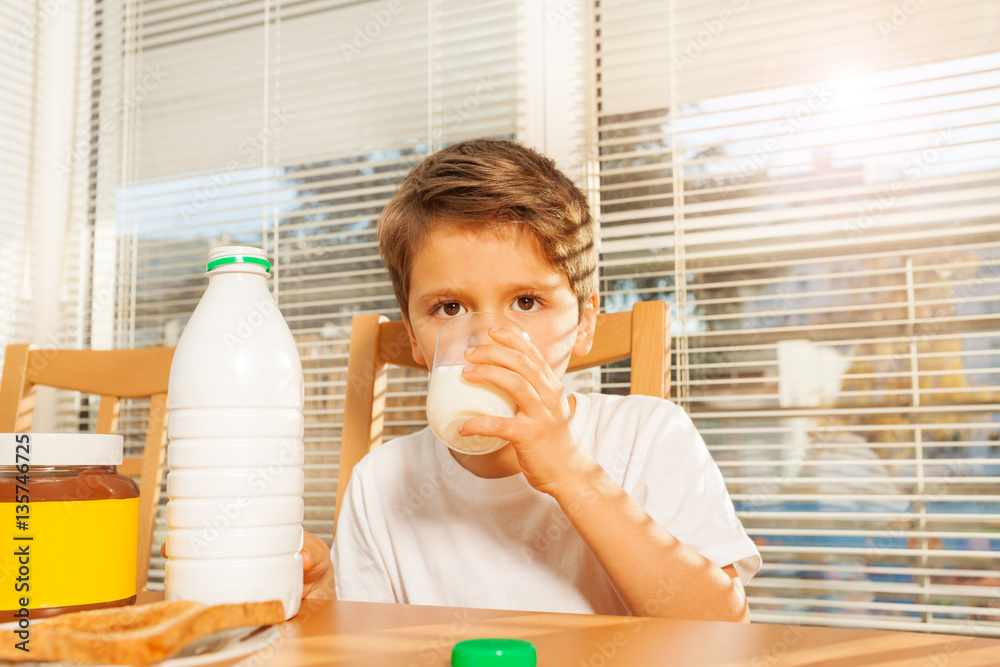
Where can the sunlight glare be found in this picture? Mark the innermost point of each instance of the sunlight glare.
(851, 109)
(850, 90)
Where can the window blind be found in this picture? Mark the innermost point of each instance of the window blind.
(814, 188)
(44, 136)
(288, 125)
(17, 94)
(80, 298)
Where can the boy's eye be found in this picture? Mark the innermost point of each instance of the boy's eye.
(451, 309)
(526, 304)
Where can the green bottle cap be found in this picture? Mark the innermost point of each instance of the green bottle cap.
(494, 653)
(239, 259)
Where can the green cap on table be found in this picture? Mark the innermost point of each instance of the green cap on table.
(494, 653)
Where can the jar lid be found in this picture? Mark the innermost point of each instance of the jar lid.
(237, 254)
(494, 653)
(61, 449)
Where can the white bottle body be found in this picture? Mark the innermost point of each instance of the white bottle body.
(235, 454)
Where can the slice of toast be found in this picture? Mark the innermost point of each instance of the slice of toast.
(140, 635)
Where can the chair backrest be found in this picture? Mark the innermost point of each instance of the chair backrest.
(113, 375)
(642, 334)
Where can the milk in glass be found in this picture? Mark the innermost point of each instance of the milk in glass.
(451, 399)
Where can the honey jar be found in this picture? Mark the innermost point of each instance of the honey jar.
(68, 525)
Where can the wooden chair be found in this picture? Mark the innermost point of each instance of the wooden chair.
(642, 334)
(113, 375)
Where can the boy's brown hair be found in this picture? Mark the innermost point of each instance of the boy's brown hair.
(490, 184)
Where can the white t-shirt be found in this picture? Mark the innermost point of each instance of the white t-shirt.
(416, 527)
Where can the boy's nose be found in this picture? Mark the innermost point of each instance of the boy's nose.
(488, 310)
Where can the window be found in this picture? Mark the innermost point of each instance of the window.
(813, 187)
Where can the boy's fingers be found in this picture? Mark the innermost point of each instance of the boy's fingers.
(494, 427)
(317, 575)
(315, 555)
(534, 371)
(515, 341)
(520, 388)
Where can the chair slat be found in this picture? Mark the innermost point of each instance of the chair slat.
(612, 342)
(14, 389)
(111, 372)
(151, 480)
(650, 349)
(107, 414)
(360, 401)
(394, 346)
(131, 466)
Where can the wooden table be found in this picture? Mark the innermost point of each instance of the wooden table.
(372, 635)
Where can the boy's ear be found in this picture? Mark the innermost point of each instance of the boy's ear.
(414, 349)
(585, 330)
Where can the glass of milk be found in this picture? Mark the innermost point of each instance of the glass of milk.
(451, 399)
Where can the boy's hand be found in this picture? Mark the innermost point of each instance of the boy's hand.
(317, 568)
(549, 453)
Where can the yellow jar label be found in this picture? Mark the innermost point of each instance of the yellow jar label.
(65, 553)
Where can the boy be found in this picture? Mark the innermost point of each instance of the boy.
(598, 504)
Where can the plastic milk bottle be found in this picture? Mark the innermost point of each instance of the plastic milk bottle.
(235, 452)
